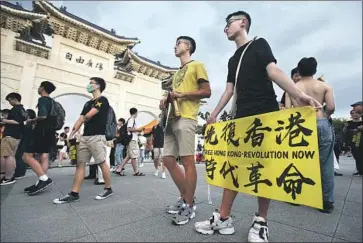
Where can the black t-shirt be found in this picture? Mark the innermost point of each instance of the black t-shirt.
(283, 99)
(158, 135)
(44, 106)
(353, 135)
(255, 92)
(64, 136)
(17, 113)
(97, 124)
(118, 138)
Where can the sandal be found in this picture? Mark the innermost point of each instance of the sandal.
(139, 174)
(120, 173)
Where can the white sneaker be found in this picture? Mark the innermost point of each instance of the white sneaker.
(141, 165)
(163, 176)
(156, 173)
(215, 223)
(259, 230)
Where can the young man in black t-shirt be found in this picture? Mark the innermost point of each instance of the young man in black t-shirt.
(14, 125)
(42, 141)
(355, 138)
(93, 141)
(157, 136)
(255, 95)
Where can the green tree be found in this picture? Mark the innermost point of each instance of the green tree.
(338, 124)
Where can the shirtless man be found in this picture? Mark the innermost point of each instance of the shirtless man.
(323, 93)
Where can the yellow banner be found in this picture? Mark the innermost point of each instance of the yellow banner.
(274, 155)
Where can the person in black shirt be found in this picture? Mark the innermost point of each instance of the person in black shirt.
(255, 95)
(118, 146)
(295, 76)
(93, 141)
(42, 141)
(20, 169)
(354, 132)
(14, 125)
(157, 136)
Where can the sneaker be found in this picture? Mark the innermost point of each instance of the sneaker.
(356, 174)
(141, 165)
(105, 194)
(5, 181)
(259, 230)
(97, 182)
(19, 177)
(29, 188)
(327, 208)
(156, 173)
(215, 223)
(163, 176)
(185, 213)
(66, 199)
(40, 187)
(174, 209)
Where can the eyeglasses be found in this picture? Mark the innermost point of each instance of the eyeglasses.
(230, 21)
(179, 42)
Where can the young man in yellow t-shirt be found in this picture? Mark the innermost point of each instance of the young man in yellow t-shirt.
(190, 84)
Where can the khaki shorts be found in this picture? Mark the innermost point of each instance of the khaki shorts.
(179, 137)
(9, 146)
(133, 150)
(91, 146)
(158, 153)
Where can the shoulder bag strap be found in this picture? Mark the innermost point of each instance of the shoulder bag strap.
(234, 101)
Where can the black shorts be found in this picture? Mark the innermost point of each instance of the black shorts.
(42, 142)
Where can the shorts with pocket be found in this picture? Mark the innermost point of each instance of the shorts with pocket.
(179, 139)
(133, 150)
(91, 146)
(9, 145)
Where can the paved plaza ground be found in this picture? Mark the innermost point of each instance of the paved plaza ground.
(137, 212)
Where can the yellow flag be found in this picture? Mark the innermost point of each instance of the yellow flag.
(274, 155)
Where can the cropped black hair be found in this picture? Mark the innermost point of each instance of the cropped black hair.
(133, 111)
(13, 96)
(31, 114)
(307, 66)
(294, 71)
(48, 86)
(101, 82)
(193, 45)
(122, 120)
(243, 13)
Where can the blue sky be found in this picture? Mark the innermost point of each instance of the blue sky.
(329, 31)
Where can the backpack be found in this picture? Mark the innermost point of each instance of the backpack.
(125, 137)
(111, 124)
(58, 113)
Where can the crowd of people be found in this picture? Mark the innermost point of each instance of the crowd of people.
(251, 73)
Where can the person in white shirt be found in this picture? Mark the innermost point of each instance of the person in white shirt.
(142, 144)
(63, 142)
(133, 146)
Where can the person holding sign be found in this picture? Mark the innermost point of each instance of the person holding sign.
(322, 92)
(190, 84)
(250, 71)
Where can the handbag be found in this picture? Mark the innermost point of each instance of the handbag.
(234, 100)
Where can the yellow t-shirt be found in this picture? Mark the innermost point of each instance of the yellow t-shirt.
(187, 79)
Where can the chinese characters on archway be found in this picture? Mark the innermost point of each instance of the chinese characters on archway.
(273, 155)
(80, 60)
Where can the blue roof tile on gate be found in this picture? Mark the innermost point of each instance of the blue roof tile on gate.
(91, 24)
(14, 6)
